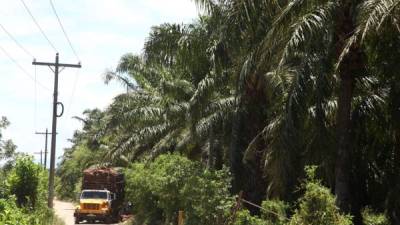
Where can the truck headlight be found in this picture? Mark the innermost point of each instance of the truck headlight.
(104, 205)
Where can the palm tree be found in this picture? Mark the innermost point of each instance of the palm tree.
(335, 29)
(169, 86)
(344, 25)
(267, 87)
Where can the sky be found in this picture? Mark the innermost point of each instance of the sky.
(101, 31)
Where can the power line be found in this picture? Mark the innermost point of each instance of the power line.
(62, 28)
(73, 50)
(73, 92)
(37, 24)
(22, 69)
(16, 42)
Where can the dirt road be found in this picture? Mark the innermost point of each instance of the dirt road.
(65, 211)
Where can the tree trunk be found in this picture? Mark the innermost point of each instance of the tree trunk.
(235, 154)
(393, 182)
(211, 150)
(351, 67)
(343, 166)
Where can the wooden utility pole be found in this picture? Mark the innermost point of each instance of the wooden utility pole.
(56, 66)
(41, 156)
(45, 146)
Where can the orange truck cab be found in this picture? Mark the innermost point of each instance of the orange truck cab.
(94, 205)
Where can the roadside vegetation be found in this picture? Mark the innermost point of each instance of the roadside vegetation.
(23, 195)
(23, 188)
(238, 104)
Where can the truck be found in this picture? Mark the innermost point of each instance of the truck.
(101, 197)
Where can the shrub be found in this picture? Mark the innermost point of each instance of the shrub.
(23, 181)
(243, 217)
(171, 183)
(317, 205)
(372, 218)
(275, 212)
(206, 197)
(21, 206)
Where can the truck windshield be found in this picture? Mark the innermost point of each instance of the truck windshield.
(94, 194)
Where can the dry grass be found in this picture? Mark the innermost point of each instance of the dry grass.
(57, 221)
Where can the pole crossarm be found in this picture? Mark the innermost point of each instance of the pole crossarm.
(60, 64)
(44, 133)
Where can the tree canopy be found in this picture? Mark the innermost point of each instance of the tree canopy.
(265, 88)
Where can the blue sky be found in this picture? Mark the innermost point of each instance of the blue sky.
(101, 32)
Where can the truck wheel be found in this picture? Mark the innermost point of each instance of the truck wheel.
(108, 221)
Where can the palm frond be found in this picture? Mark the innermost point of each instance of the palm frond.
(204, 126)
(204, 87)
(225, 105)
(313, 23)
(292, 6)
(206, 5)
(373, 13)
(350, 43)
(177, 87)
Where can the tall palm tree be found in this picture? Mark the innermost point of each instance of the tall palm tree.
(332, 28)
(344, 24)
(170, 105)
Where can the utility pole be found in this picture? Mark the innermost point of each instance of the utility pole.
(45, 145)
(41, 154)
(56, 66)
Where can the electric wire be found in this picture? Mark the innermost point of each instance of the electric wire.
(38, 26)
(22, 69)
(16, 41)
(63, 30)
(75, 53)
(73, 91)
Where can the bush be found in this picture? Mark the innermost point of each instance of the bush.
(372, 218)
(23, 181)
(21, 206)
(171, 183)
(317, 205)
(243, 217)
(275, 212)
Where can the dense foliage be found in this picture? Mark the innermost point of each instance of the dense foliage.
(23, 182)
(160, 189)
(263, 88)
(315, 207)
(23, 195)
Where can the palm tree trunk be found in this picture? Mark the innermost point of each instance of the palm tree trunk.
(343, 165)
(211, 150)
(235, 155)
(351, 67)
(393, 183)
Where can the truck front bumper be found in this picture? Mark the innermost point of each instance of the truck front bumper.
(92, 215)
